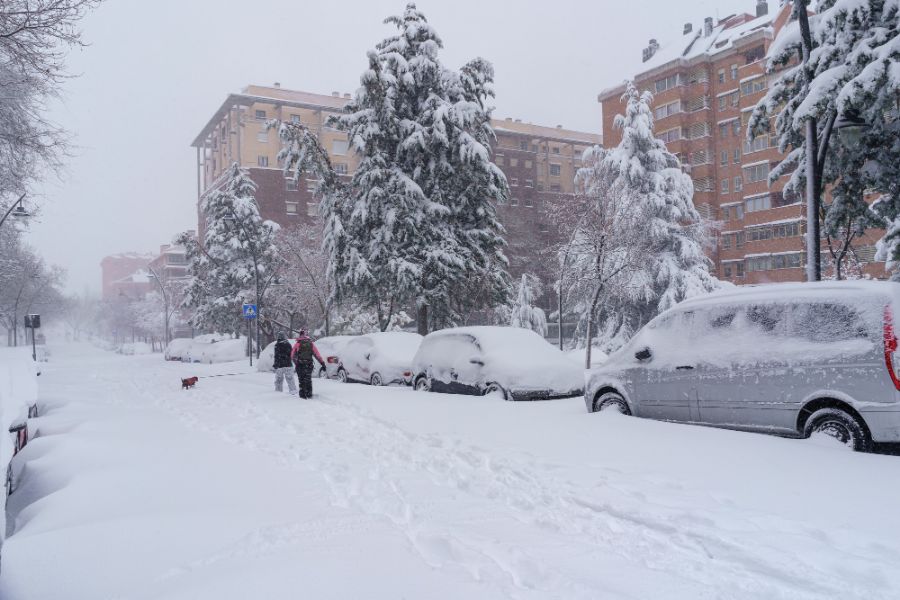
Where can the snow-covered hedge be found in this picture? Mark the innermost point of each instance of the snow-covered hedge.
(208, 348)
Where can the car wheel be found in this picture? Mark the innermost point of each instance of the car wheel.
(422, 385)
(841, 426)
(342, 375)
(495, 387)
(611, 401)
(321, 373)
(376, 379)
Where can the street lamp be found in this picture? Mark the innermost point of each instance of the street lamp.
(16, 210)
(851, 126)
(165, 296)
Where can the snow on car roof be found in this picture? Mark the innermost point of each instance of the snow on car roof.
(779, 291)
(494, 337)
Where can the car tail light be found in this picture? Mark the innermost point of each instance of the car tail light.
(332, 359)
(407, 373)
(890, 345)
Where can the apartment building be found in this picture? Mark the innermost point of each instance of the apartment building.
(705, 85)
(539, 161)
(121, 274)
(170, 263)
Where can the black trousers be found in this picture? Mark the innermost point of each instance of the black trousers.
(304, 374)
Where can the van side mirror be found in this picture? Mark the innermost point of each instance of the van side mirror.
(477, 361)
(644, 354)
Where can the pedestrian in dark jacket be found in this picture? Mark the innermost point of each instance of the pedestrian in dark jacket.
(282, 365)
(302, 354)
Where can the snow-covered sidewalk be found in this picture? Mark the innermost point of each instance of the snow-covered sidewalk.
(135, 489)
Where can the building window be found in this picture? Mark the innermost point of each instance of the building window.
(555, 149)
(758, 143)
(736, 156)
(721, 75)
(513, 162)
(757, 203)
(528, 164)
(554, 187)
(513, 201)
(291, 208)
(498, 160)
(736, 127)
(724, 186)
(667, 83)
(295, 118)
(753, 86)
(263, 136)
(670, 135)
(727, 269)
(262, 161)
(312, 209)
(667, 109)
(723, 130)
(554, 170)
(514, 181)
(290, 185)
(340, 168)
(734, 72)
(523, 145)
(756, 173)
(340, 147)
(724, 157)
(723, 102)
(311, 185)
(738, 183)
(529, 183)
(260, 114)
(735, 99)
(528, 201)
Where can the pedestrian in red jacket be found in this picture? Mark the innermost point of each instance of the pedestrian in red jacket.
(302, 354)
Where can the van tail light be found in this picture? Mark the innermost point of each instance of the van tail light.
(890, 345)
(332, 360)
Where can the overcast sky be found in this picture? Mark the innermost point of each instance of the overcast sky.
(155, 72)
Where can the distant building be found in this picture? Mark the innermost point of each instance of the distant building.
(171, 263)
(116, 272)
(539, 161)
(705, 85)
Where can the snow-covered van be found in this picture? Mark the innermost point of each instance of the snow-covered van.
(516, 363)
(791, 359)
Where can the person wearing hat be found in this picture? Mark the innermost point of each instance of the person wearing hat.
(282, 364)
(302, 355)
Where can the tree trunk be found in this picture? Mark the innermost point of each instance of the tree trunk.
(590, 327)
(813, 256)
(559, 305)
(422, 319)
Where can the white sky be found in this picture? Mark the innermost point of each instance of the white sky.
(155, 72)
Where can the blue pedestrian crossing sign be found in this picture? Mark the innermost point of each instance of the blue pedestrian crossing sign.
(249, 311)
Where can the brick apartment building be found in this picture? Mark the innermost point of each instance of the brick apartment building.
(170, 263)
(116, 275)
(705, 85)
(539, 161)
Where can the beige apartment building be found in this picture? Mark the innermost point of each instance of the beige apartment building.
(539, 161)
(705, 85)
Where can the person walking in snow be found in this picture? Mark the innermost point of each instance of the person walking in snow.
(283, 367)
(302, 355)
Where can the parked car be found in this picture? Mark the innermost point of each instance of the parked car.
(517, 363)
(792, 359)
(329, 347)
(378, 358)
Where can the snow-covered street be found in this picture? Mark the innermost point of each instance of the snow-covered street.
(135, 489)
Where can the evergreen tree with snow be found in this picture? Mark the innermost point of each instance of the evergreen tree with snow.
(642, 172)
(237, 259)
(416, 223)
(523, 312)
(854, 47)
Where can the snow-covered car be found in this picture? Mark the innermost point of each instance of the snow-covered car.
(517, 363)
(178, 349)
(330, 347)
(791, 359)
(379, 358)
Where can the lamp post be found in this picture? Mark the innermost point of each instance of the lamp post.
(851, 126)
(17, 209)
(165, 296)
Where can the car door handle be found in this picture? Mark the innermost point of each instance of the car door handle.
(684, 367)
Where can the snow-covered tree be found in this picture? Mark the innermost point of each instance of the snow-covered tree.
(237, 260)
(523, 313)
(642, 221)
(416, 223)
(851, 47)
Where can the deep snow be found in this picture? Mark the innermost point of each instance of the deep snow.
(135, 489)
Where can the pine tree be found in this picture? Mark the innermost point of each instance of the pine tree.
(237, 260)
(523, 312)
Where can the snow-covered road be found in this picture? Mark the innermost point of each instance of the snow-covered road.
(135, 489)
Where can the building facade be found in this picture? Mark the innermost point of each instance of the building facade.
(116, 271)
(705, 85)
(539, 162)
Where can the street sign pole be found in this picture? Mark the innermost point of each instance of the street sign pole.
(33, 322)
(249, 313)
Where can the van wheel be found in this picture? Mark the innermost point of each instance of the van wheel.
(495, 387)
(611, 401)
(375, 379)
(840, 425)
(342, 375)
(422, 384)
